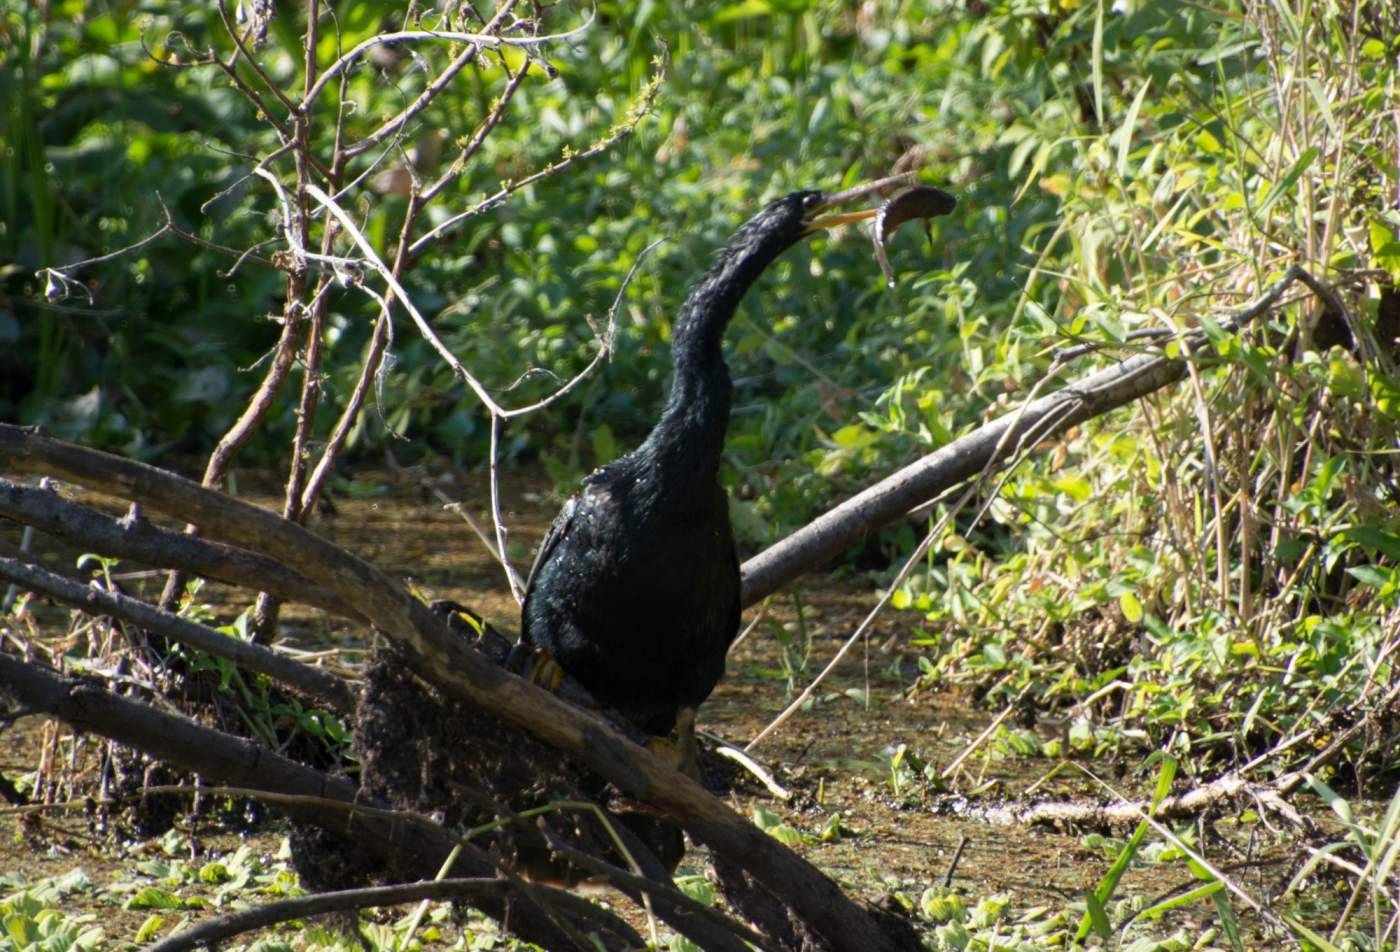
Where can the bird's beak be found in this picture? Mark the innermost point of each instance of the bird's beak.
(851, 194)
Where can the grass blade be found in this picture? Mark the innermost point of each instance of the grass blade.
(1125, 134)
(1290, 178)
(1098, 63)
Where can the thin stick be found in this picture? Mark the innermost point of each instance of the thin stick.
(733, 753)
(517, 589)
(845, 649)
(952, 768)
(335, 692)
(953, 863)
(415, 36)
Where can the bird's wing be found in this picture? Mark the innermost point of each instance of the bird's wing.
(557, 530)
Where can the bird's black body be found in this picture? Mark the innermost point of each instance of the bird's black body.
(635, 591)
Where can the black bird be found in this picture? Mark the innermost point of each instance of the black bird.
(635, 591)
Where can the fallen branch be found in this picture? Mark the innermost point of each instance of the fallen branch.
(302, 791)
(214, 931)
(1188, 804)
(444, 659)
(333, 691)
(832, 533)
(140, 541)
(1272, 796)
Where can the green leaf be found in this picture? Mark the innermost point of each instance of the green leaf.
(1098, 917)
(153, 924)
(1226, 915)
(152, 897)
(214, 873)
(1076, 487)
(1301, 931)
(698, 888)
(1290, 178)
(1125, 133)
(1385, 248)
(1132, 608)
(1185, 899)
(1165, 776)
(852, 436)
(1373, 576)
(1319, 96)
(1375, 539)
(1208, 143)
(741, 11)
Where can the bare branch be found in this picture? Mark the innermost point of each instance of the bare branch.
(479, 136)
(417, 36)
(433, 88)
(141, 541)
(570, 159)
(252, 61)
(333, 691)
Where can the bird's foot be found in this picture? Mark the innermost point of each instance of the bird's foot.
(535, 665)
(678, 750)
(472, 628)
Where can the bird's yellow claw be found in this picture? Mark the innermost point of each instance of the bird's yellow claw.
(545, 672)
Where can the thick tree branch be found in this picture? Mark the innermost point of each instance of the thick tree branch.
(140, 541)
(890, 499)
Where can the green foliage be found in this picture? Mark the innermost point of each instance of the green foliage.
(1217, 568)
(1211, 574)
(811, 98)
(30, 921)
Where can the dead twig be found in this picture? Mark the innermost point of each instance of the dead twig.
(333, 691)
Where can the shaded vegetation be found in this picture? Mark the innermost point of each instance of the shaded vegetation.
(1207, 581)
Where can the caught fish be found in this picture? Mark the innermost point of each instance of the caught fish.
(920, 201)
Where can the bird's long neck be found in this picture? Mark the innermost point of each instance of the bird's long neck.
(690, 433)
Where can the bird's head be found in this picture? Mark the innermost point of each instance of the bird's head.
(796, 216)
(712, 300)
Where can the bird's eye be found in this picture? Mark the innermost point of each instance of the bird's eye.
(812, 201)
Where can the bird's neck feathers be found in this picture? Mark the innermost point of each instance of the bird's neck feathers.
(692, 426)
(712, 301)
